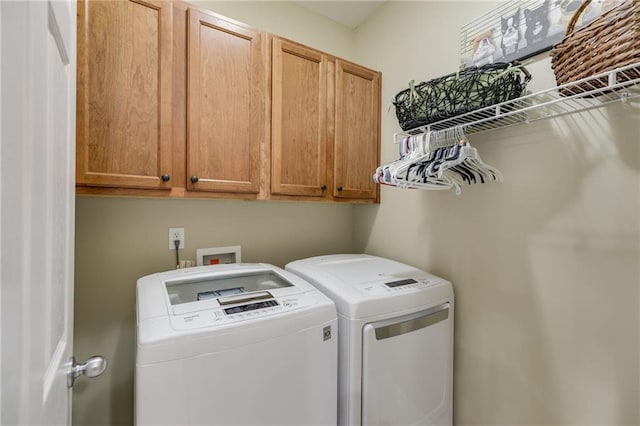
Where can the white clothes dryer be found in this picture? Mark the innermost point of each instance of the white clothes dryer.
(240, 344)
(395, 339)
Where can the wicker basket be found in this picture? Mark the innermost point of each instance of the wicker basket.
(608, 42)
(458, 93)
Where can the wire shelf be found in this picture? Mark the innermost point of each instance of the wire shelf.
(620, 84)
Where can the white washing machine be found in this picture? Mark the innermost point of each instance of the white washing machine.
(395, 339)
(240, 344)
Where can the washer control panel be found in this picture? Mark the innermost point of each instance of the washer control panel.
(251, 307)
(240, 312)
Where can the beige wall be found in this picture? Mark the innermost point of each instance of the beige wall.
(288, 20)
(544, 265)
(119, 240)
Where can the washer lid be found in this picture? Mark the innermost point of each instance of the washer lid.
(213, 287)
(227, 288)
(363, 286)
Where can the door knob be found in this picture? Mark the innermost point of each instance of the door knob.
(93, 367)
(323, 187)
(165, 177)
(339, 188)
(194, 179)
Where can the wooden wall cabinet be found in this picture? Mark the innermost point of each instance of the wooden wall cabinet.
(124, 94)
(176, 101)
(298, 120)
(357, 132)
(226, 98)
(325, 125)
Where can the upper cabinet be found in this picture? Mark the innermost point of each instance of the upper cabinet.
(325, 125)
(227, 99)
(124, 94)
(357, 131)
(177, 101)
(298, 120)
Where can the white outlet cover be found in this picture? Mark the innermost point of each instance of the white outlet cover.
(176, 234)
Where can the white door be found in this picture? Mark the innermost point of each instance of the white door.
(38, 74)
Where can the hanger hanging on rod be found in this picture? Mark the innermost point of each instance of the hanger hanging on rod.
(404, 172)
(437, 160)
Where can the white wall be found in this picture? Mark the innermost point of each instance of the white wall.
(544, 265)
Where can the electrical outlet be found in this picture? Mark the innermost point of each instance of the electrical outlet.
(176, 234)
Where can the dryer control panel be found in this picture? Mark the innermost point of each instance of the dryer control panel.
(398, 285)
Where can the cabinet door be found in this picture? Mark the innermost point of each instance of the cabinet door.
(124, 94)
(226, 105)
(299, 128)
(357, 131)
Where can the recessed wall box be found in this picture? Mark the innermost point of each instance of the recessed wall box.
(218, 255)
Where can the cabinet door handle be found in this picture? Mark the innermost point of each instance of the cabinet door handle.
(323, 187)
(339, 188)
(165, 178)
(194, 179)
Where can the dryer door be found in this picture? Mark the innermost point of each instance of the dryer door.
(407, 369)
